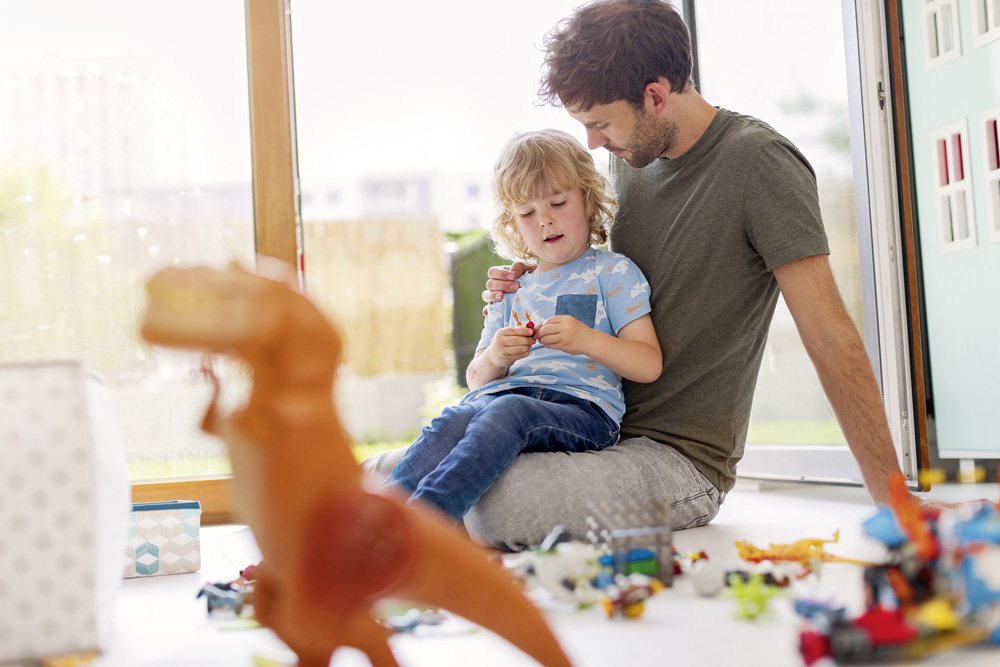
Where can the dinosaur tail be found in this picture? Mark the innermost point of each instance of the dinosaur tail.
(451, 572)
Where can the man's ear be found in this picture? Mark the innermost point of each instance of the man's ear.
(657, 97)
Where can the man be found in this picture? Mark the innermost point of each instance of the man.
(719, 212)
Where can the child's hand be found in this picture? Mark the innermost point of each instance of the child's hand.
(565, 333)
(510, 344)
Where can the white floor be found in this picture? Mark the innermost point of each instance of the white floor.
(160, 624)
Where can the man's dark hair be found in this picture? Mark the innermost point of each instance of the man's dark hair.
(611, 49)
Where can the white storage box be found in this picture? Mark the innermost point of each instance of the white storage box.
(64, 503)
(163, 538)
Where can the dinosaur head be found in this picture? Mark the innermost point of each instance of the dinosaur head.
(203, 309)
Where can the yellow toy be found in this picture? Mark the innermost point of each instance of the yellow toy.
(804, 552)
(333, 541)
(627, 596)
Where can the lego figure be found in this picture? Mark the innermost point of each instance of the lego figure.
(333, 542)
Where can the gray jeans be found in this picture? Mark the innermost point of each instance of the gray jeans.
(541, 490)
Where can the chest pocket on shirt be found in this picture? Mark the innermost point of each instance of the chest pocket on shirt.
(581, 306)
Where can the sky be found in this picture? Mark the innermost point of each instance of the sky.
(392, 86)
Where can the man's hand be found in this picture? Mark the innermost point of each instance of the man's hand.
(929, 504)
(566, 334)
(504, 279)
(509, 345)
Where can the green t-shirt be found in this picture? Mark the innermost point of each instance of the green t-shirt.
(706, 229)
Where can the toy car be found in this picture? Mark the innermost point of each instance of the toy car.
(223, 596)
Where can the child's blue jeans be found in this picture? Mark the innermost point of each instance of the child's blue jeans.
(465, 450)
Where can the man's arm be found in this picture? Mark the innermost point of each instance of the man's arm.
(843, 367)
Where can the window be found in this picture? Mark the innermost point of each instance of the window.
(941, 35)
(412, 159)
(807, 102)
(985, 21)
(989, 123)
(956, 215)
(121, 154)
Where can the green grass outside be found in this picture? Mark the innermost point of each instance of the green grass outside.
(771, 433)
(363, 450)
(213, 466)
(780, 432)
(146, 470)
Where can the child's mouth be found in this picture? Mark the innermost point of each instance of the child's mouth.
(553, 239)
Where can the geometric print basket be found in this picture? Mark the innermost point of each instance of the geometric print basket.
(163, 538)
(64, 498)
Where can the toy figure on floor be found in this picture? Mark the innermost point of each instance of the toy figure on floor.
(333, 542)
(805, 552)
(553, 381)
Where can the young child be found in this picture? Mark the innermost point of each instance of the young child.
(547, 374)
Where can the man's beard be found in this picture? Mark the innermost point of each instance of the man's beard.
(649, 140)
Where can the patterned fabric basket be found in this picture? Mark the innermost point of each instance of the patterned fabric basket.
(163, 538)
(64, 499)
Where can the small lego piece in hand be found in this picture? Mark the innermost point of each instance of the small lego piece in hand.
(248, 575)
(530, 324)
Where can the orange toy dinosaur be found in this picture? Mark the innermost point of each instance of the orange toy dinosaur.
(333, 541)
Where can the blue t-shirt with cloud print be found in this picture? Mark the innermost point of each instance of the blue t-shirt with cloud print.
(602, 289)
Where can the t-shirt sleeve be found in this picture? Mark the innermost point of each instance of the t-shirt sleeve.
(493, 323)
(781, 206)
(626, 293)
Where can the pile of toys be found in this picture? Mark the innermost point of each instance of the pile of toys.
(938, 589)
(628, 558)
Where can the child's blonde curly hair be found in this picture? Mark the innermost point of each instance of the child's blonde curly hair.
(540, 164)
